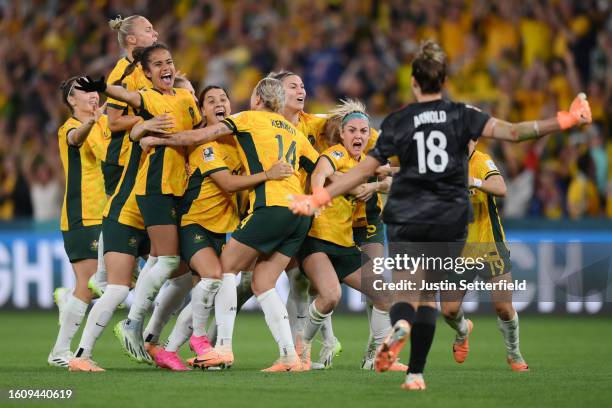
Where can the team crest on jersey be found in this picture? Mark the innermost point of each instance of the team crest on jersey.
(209, 154)
(312, 139)
(94, 245)
(191, 113)
(337, 154)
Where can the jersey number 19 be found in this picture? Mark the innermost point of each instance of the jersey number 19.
(431, 152)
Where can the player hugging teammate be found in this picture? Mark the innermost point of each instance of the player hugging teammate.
(173, 167)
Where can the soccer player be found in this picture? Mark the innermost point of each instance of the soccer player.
(428, 201)
(161, 180)
(132, 32)
(270, 233)
(84, 201)
(209, 211)
(485, 239)
(329, 255)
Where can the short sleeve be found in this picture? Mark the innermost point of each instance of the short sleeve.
(114, 76)
(385, 145)
(488, 168)
(196, 116)
(474, 120)
(237, 122)
(308, 155)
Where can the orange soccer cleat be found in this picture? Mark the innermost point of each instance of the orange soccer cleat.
(84, 364)
(461, 350)
(213, 358)
(389, 350)
(397, 366)
(152, 349)
(518, 366)
(281, 366)
(414, 382)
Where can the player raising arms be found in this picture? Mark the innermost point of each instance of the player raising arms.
(160, 181)
(428, 201)
(132, 32)
(208, 211)
(329, 255)
(84, 201)
(485, 239)
(270, 233)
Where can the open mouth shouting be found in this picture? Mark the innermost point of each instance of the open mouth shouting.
(220, 113)
(167, 79)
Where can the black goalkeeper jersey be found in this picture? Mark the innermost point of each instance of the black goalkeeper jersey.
(431, 141)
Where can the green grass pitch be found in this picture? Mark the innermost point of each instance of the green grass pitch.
(570, 360)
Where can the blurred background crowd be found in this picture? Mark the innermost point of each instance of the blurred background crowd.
(519, 60)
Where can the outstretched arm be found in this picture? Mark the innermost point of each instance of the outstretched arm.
(187, 137)
(579, 114)
(87, 84)
(493, 185)
(231, 183)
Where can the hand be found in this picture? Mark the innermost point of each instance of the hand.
(366, 191)
(279, 171)
(579, 113)
(309, 204)
(86, 84)
(99, 112)
(159, 124)
(384, 171)
(146, 143)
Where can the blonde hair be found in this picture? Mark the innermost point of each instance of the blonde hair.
(272, 94)
(123, 26)
(334, 124)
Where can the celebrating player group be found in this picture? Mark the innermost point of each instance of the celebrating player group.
(162, 174)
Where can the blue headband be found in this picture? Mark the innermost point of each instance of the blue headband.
(355, 115)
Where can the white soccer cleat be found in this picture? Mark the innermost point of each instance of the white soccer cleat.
(327, 354)
(60, 359)
(132, 342)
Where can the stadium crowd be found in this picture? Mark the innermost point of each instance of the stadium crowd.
(520, 60)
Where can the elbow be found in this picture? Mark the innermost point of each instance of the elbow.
(501, 191)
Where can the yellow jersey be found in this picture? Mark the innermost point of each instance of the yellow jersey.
(368, 212)
(84, 197)
(163, 170)
(204, 203)
(335, 223)
(486, 236)
(117, 149)
(122, 206)
(263, 139)
(311, 126)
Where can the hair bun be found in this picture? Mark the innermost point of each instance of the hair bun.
(430, 50)
(115, 23)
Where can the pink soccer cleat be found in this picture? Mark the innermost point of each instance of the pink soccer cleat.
(169, 360)
(199, 344)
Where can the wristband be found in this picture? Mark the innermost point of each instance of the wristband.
(477, 182)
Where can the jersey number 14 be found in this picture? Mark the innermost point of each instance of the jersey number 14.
(431, 152)
(290, 156)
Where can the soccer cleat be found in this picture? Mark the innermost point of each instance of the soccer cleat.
(397, 366)
(461, 350)
(84, 364)
(517, 365)
(60, 297)
(169, 360)
(280, 366)
(131, 342)
(60, 359)
(152, 349)
(414, 382)
(303, 349)
(327, 354)
(199, 344)
(389, 350)
(214, 358)
(95, 287)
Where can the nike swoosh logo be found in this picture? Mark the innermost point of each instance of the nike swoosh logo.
(300, 317)
(99, 325)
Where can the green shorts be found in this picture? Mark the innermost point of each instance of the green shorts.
(125, 239)
(194, 237)
(112, 175)
(371, 234)
(158, 209)
(82, 243)
(496, 266)
(345, 260)
(273, 229)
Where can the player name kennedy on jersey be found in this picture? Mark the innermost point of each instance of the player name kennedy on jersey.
(429, 117)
